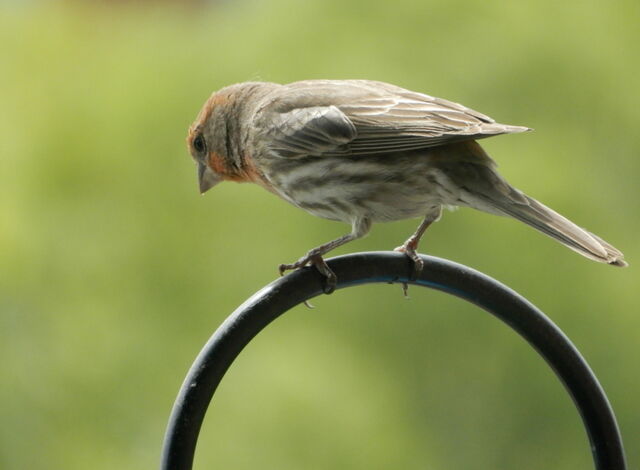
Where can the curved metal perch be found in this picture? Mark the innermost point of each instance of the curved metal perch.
(388, 267)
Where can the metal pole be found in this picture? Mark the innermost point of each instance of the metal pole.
(363, 268)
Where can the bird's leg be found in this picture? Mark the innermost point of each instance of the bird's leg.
(359, 229)
(410, 247)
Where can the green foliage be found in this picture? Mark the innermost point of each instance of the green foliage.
(115, 271)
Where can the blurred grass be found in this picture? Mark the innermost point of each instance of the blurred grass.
(115, 272)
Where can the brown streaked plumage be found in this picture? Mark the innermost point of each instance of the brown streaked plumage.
(360, 151)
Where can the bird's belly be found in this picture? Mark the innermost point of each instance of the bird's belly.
(347, 188)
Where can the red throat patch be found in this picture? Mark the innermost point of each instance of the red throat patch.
(249, 173)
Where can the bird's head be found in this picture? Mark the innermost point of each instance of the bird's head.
(206, 141)
(214, 139)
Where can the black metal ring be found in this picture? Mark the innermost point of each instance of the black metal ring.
(363, 268)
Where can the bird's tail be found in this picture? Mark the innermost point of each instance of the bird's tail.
(549, 222)
(486, 190)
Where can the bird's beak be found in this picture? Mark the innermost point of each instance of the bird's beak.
(207, 179)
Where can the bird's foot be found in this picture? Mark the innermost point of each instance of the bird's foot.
(409, 249)
(316, 260)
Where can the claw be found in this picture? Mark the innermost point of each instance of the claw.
(418, 265)
(301, 263)
(359, 228)
(408, 249)
(331, 280)
(405, 290)
(298, 264)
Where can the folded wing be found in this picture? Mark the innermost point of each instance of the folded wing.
(360, 117)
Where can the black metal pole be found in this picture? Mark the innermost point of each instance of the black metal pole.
(363, 268)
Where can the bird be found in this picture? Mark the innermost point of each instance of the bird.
(364, 152)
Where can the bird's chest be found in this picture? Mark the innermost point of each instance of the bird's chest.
(344, 188)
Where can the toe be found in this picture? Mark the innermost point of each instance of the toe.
(417, 269)
(330, 283)
(405, 290)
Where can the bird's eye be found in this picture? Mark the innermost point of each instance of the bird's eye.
(199, 144)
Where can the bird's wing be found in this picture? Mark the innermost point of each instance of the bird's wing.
(360, 117)
(315, 131)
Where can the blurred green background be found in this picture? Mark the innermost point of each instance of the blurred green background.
(114, 271)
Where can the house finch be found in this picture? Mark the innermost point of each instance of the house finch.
(361, 151)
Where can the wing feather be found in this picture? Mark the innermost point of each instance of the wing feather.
(359, 117)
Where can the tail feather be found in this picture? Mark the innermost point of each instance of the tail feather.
(549, 222)
(484, 189)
